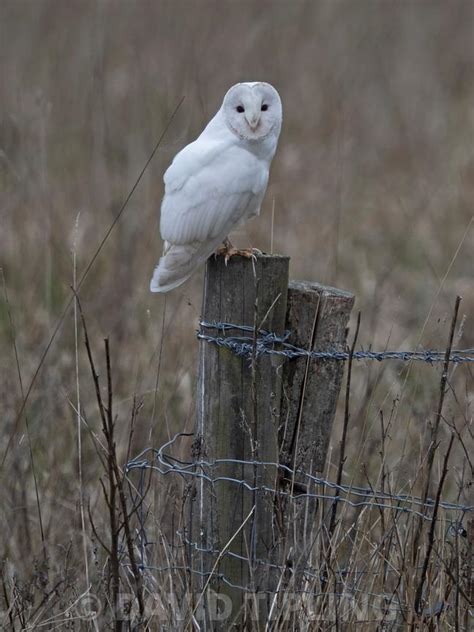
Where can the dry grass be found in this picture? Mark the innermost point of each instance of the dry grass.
(373, 186)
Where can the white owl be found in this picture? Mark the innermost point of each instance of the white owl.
(217, 183)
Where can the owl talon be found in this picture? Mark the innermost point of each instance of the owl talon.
(229, 251)
(249, 253)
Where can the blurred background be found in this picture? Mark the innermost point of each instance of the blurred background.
(372, 188)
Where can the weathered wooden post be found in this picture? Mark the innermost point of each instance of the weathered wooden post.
(237, 419)
(317, 318)
(253, 414)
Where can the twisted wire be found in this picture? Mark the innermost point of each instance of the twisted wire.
(162, 462)
(273, 344)
(165, 464)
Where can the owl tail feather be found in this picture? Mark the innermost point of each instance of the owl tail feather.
(178, 264)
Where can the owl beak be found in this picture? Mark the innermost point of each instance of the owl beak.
(253, 122)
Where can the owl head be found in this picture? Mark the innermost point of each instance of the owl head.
(253, 110)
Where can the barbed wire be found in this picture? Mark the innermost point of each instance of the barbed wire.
(309, 580)
(185, 558)
(270, 343)
(166, 464)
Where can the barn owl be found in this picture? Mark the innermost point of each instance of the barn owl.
(217, 182)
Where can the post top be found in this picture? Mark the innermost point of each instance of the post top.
(318, 288)
(257, 255)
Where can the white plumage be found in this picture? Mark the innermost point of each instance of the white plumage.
(217, 182)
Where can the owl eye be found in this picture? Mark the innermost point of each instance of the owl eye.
(240, 109)
(264, 107)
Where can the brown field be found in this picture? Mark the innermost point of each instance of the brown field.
(372, 187)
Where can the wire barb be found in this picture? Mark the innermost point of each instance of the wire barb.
(273, 344)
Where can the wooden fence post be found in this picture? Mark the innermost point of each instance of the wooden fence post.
(269, 410)
(317, 318)
(238, 410)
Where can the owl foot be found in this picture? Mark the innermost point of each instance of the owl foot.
(228, 250)
(248, 253)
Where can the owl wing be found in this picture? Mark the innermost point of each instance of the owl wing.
(209, 188)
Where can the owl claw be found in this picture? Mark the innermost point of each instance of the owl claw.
(249, 253)
(229, 251)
